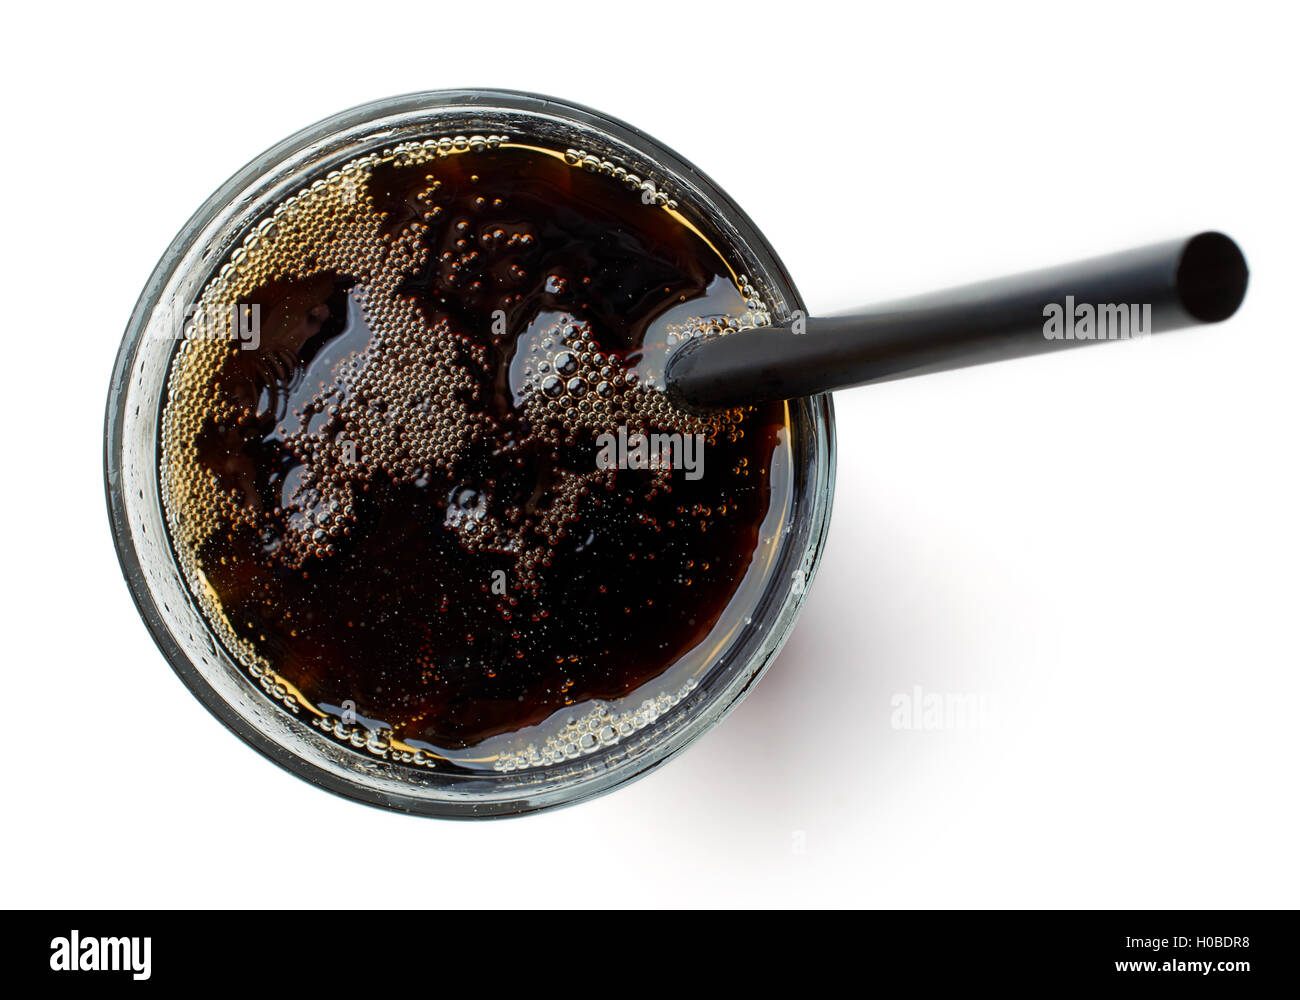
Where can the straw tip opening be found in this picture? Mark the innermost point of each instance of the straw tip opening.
(1212, 277)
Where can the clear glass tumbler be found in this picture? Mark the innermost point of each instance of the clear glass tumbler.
(658, 728)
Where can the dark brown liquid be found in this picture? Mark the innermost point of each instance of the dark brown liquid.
(395, 499)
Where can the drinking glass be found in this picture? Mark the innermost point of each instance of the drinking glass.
(586, 758)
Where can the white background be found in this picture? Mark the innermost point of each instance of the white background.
(1103, 544)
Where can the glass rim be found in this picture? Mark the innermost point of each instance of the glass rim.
(365, 121)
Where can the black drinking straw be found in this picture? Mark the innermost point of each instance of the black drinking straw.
(1186, 282)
